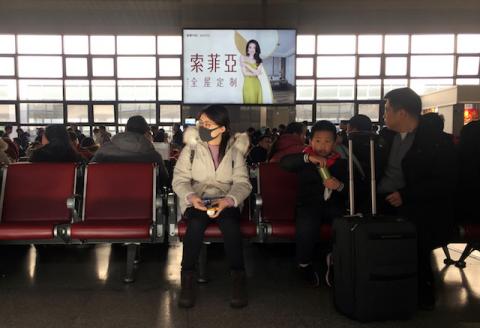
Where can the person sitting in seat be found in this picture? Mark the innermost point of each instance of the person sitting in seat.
(56, 146)
(212, 166)
(320, 199)
(291, 141)
(259, 153)
(132, 146)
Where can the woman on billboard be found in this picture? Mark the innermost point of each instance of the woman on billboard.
(251, 69)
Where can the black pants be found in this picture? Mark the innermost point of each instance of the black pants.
(229, 223)
(308, 222)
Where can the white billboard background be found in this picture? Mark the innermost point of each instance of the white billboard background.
(205, 84)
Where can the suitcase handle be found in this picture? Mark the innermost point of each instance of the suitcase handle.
(373, 183)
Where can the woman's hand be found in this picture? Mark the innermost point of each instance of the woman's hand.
(317, 160)
(332, 183)
(220, 204)
(197, 203)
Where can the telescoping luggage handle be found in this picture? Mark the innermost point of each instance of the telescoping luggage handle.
(372, 136)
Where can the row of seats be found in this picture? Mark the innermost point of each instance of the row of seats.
(62, 203)
(119, 203)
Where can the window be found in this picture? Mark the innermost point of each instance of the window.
(40, 66)
(125, 111)
(7, 44)
(136, 67)
(423, 86)
(338, 66)
(103, 113)
(170, 113)
(103, 90)
(102, 67)
(8, 90)
(41, 90)
(303, 113)
(396, 44)
(468, 43)
(336, 44)
(432, 43)
(369, 66)
(390, 84)
(335, 89)
(368, 89)
(76, 66)
(431, 66)
(7, 66)
(305, 44)
(305, 89)
(136, 45)
(334, 112)
(77, 113)
(169, 90)
(169, 67)
(467, 82)
(370, 110)
(370, 44)
(77, 90)
(136, 90)
(75, 44)
(468, 65)
(43, 113)
(102, 45)
(304, 66)
(169, 45)
(396, 66)
(39, 44)
(7, 113)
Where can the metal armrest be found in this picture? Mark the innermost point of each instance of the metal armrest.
(72, 206)
(172, 214)
(257, 210)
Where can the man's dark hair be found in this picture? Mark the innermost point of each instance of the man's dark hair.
(407, 99)
(295, 127)
(360, 122)
(324, 125)
(137, 124)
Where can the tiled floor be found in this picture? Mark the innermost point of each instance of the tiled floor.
(82, 287)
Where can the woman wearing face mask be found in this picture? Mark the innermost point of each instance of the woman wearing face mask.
(212, 166)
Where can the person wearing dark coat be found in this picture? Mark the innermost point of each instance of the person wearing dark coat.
(419, 180)
(56, 146)
(132, 146)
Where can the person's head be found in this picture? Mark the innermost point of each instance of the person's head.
(214, 126)
(96, 131)
(8, 129)
(265, 142)
(250, 131)
(297, 128)
(20, 131)
(359, 123)
(176, 128)
(138, 124)
(73, 127)
(73, 138)
(89, 144)
(281, 128)
(154, 129)
(160, 137)
(57, 135)
(40, 131)
(433, 122)
(343, 125)
(253, 50)
(323, 136)
(102, 128)
(402, 109)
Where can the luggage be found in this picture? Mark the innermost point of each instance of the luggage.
(375, 260)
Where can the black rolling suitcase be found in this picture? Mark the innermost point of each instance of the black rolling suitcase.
(375, 260)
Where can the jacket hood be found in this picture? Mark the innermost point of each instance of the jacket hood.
(132, 142)
(240, 141)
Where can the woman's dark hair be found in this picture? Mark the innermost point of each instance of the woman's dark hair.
(137, 124)
(87, 142)
(219, 115)
(257, 51)
(58, 136)
(324, 125)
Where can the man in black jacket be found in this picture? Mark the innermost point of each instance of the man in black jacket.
(418, 181)
(132, 146)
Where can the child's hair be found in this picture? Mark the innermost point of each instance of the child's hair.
(324, 126)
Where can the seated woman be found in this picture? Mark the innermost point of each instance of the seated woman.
(57, 146)
(212, 166)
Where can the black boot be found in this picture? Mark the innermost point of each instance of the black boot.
(187, 293)
(239, 290)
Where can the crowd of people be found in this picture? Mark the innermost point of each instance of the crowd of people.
(421, 174)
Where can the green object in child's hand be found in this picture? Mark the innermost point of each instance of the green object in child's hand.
(324, 173)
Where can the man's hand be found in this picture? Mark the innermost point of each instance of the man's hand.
(317, 160)
(332, 183)
(220, 204)
(395, 199)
